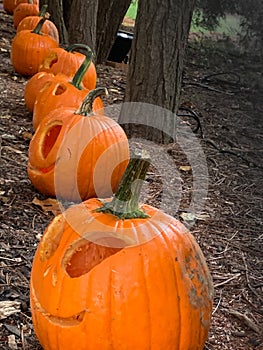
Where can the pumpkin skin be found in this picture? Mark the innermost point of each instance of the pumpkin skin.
(10, 5)
(154, 293)
(57, 93)
(33, 86)
(23, 10)
(65, 149)
(30, 22)
(60, 60)
(29, 49)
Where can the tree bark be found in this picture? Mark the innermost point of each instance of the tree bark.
(82, 22)
(109, 19)
(157, 54)
(67, 12)
(55, 8)
(95, 23)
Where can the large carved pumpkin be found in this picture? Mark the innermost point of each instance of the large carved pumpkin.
(73, 151)
(117, 276)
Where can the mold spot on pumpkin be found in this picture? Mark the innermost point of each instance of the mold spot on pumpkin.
(83, 255)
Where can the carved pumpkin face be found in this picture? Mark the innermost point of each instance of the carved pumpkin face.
(56, 93)
(99, 282)
(67, 61)
(76, 157)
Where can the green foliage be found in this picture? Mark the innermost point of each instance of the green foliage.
(209, 12)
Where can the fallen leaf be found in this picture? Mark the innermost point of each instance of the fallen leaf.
(188, 217)
(48, 205)
(185, 168)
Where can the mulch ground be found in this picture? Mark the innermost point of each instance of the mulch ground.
(222, 92)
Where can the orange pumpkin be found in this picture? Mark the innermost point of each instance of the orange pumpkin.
(23, 10)
(60, 92)
(66, 146)
(33, 86)
(29, 49)
(120, 276)
(68, 61)
(10, 5)
(30, 22)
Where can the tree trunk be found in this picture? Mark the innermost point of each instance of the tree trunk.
(82, 22)
(95, 23)
(109, 19)
(55, 8)
(67, 11)
(156, 63)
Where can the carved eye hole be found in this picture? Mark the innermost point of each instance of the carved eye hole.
(84, 255)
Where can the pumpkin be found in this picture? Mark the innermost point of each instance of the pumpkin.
(23, 10)
(33, 86)
(68, 61)
(10, 5)
(115, 275)
(30, 23)
(29, 49)
(66, 147)
(60, 92)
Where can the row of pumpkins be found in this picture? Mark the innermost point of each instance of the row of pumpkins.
(108, 274)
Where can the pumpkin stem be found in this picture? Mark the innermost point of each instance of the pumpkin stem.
(125, 203)
(43, 10)
(74, 47)
(79, 75)
(39, 26)
(86, 105)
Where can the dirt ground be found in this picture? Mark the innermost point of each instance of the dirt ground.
(230, 110)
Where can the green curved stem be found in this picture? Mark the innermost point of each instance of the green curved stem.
(38, 28)
(79, 75)
(125, 203)
(74, 47)
(86, 106)
(42, 11)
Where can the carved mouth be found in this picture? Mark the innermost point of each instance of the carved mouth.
(69, 321)
(50, 139)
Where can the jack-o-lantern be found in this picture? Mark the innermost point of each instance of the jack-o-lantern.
(78, 154)
(114, 275)
(67, 61)
(59, 92)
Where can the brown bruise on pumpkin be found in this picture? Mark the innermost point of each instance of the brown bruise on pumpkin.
(51, 238)
(83, 255)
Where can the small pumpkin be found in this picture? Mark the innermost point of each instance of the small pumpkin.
(10, 5)
(23, 10)
(30, 22)
(29, 49)
(68, 61)
(117, 275)
(65, 148)
(60, 92)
